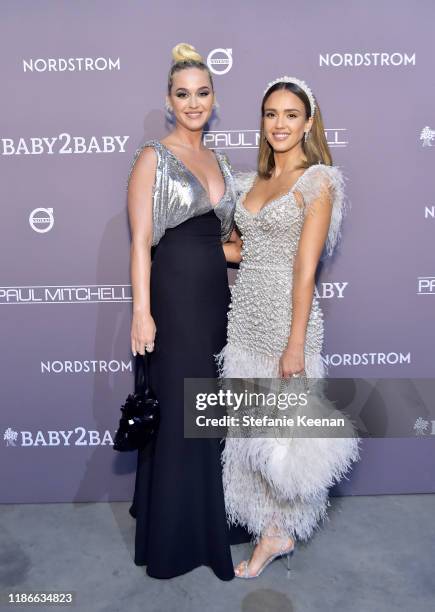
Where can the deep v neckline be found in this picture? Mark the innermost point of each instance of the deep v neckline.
(193, 175)
(267, 204)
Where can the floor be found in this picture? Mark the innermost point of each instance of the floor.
(374, 554)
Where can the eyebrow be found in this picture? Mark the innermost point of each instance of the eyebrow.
(199, 88)
(286, 110)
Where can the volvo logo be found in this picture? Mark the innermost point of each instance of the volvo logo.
(41, 220)
(220, 61)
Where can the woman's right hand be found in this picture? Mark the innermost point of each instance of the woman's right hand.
(143, 332)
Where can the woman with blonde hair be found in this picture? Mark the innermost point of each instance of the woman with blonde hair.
(181, 201)
(289, 214)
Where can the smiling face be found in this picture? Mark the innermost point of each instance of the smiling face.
(284, 120)
(191, 98)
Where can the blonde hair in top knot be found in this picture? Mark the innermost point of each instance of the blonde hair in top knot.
(184, 52)
(186, 56)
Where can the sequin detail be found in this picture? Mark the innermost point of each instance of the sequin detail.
(179, 196)
(261, 305)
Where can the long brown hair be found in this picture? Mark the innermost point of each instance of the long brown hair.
(315, 149)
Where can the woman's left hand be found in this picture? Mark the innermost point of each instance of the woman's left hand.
(292, 361)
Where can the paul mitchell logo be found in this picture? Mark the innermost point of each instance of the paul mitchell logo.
(65, 294)
(250, 139)
(426, 285)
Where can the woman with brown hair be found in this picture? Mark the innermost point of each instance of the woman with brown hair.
(181, 201)
(289, 214)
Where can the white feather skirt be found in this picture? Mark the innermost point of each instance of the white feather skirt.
(281, 484)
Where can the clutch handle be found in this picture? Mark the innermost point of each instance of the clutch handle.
(141, 378)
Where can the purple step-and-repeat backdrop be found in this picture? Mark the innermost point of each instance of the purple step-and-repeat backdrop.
(83, 86)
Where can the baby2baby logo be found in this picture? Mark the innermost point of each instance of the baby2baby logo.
(80, 436)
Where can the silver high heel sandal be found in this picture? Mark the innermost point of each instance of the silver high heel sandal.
(284, 552)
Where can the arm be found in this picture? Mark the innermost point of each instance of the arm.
(233, 248)
(311, 243)
(139, 198)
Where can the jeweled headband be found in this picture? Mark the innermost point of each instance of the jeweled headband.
(301, 84)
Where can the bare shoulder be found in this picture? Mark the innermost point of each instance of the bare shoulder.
(147, 156)
(144, 164)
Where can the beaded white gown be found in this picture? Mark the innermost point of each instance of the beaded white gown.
(266, 485)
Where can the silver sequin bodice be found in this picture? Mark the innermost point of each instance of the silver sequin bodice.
(261, 306)
(178, 195)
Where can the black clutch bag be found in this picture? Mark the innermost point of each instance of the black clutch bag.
(140, 413)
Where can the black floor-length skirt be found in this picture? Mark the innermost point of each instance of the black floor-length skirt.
(178, 499)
